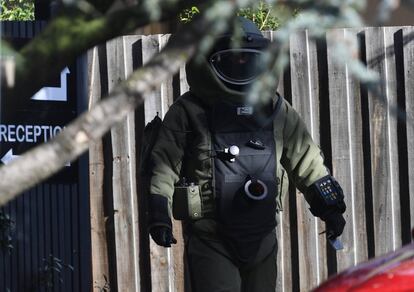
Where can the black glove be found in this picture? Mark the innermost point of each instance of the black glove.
(160, 226)
(328, 204)
(335, 224)
(162, 236)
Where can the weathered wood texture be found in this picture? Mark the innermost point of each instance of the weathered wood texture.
(408, 51)
(347, 152)
(383, 132)
(100, 262)
(162, 260)
(305, 94)
(366, 147)
(124, 178)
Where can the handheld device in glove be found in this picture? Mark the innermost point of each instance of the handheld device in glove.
(335, 224)
(328, 204)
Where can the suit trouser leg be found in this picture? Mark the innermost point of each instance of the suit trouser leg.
(262, 275)
(211, 270)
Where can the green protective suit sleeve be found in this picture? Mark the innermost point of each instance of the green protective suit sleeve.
(301, 157)
(168, 152)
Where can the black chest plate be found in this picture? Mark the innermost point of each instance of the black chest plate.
(244, 221)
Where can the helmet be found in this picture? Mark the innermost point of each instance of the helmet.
(225, 73)
(237, 67)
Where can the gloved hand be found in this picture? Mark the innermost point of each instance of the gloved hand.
(162, 236)
(327, 202)
(160, 226)
(335, 224)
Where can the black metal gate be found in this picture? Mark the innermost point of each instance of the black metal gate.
(45, 232)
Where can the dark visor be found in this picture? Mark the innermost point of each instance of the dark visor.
(237, 66)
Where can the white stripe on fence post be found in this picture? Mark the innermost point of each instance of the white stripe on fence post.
(162, 275)
(347, 155)
(99, 247)
(305, 93)
(408, 40)
(383, 132)
(124, 179)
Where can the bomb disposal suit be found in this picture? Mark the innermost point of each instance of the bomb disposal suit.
(221, 165)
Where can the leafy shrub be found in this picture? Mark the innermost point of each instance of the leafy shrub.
(188, 14)
(17, 10)
(53, 268)
(6, 226)
(266, 16)
(262, 15)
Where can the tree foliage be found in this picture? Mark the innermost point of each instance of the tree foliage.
(188, 14)
(265, 15)
(17, 10)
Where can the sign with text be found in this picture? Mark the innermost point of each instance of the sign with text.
(26, 122)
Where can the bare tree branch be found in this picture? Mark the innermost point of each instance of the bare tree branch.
(45, 160)
(71, 34)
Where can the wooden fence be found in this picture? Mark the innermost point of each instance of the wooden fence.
(368, 148)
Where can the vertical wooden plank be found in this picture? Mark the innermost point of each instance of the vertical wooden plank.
(357, 160)
(166, 86)
(82, 184)
(123, 182)
(312, 247)
(128, 43)
(392, 98)
(183, 80)
(284, 272)
(183, 88)
(100, 262)
(347, 154)
(383, 130)
(408, 36)
(152, 104)
(161, 276)
(176, 266)
(284, 253)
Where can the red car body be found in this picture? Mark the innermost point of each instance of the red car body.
(392, 272)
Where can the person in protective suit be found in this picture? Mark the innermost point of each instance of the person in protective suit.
(221, 165)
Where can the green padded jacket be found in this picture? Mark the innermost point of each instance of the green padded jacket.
(184, 147)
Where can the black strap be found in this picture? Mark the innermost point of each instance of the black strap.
(275, 110)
